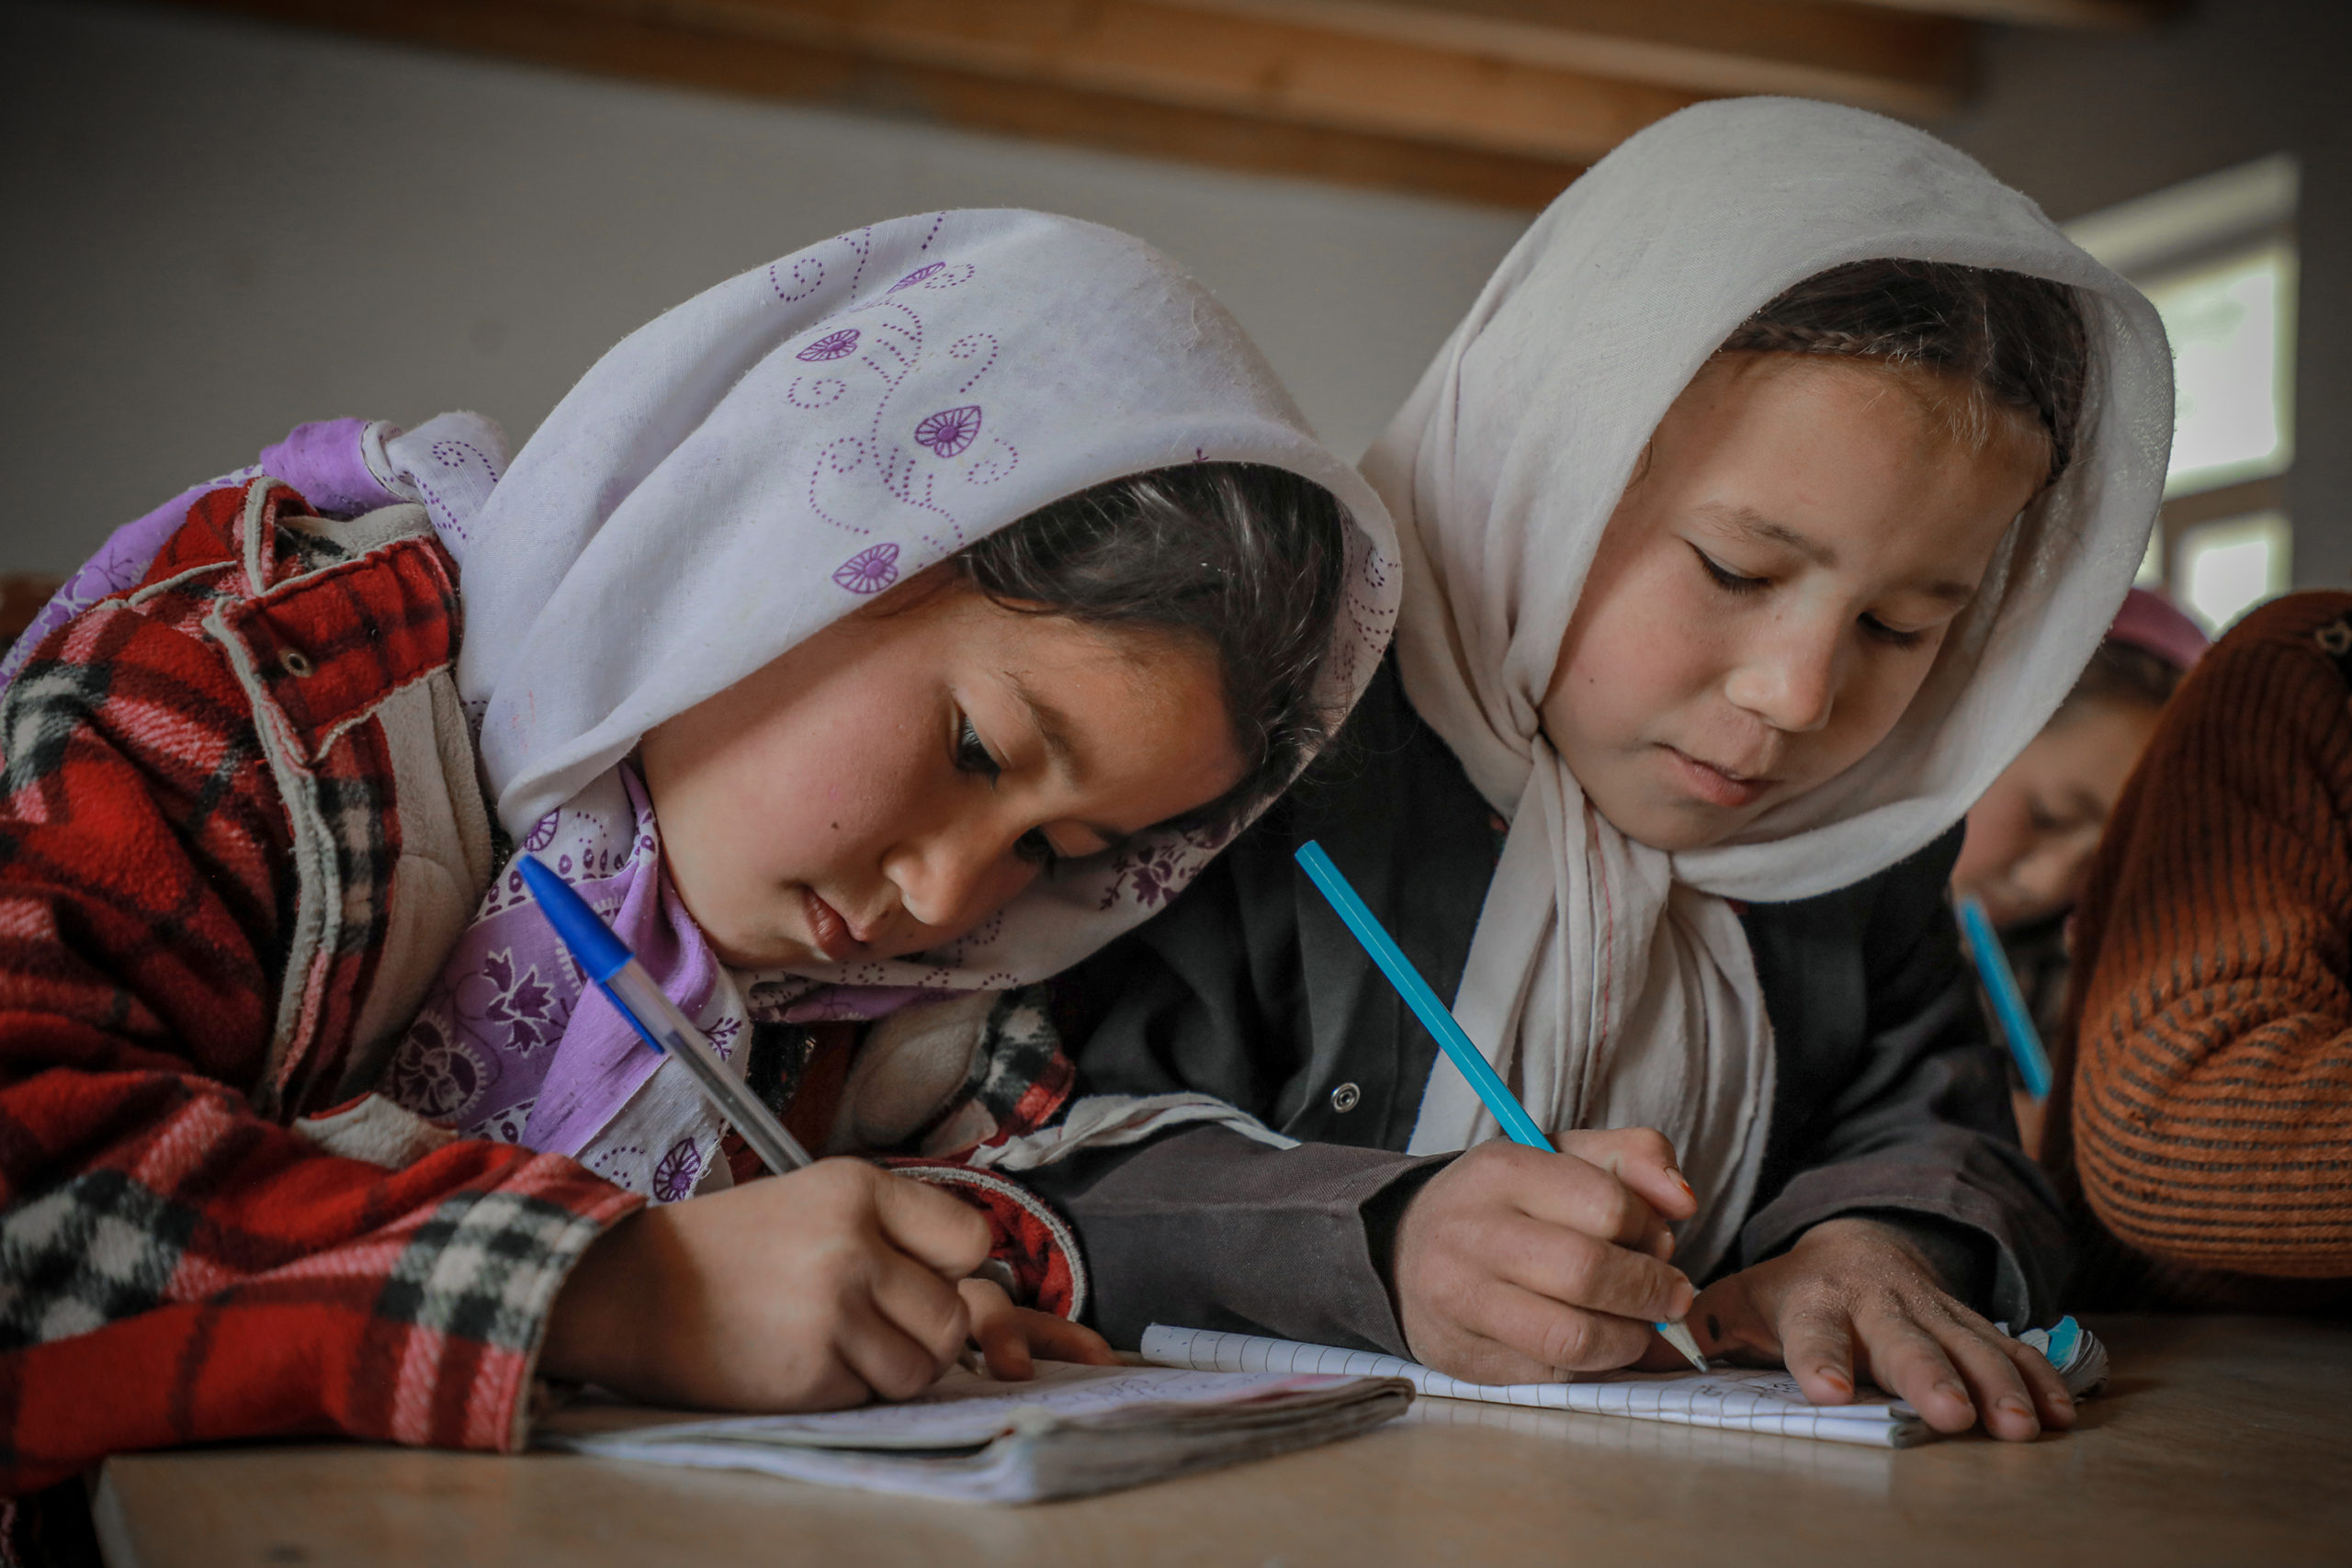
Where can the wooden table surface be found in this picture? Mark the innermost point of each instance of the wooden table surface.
(2220, 1440)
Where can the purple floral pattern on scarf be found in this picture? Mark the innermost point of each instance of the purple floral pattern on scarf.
(512, 1043)
(675, 1174)
(950, 431)
(869, 570)
(832, 345)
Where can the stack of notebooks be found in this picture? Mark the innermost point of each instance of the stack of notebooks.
(1213, 1399)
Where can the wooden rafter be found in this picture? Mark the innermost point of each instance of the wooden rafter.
(648, 46)
(1492, 100)
(1913, 64)
(2106, 16)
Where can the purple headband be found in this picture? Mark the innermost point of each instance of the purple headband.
(2150, 623)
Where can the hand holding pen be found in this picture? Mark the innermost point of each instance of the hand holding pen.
(1512, 1263)
(833, 1282)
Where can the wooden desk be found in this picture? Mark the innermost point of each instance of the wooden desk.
(2221, 1440)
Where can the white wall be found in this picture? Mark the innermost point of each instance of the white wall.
(219, 228)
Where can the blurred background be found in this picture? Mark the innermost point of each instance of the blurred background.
(230, 216)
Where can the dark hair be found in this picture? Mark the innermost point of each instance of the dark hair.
(1244, 559)
(2019, 343)
(2122, 673)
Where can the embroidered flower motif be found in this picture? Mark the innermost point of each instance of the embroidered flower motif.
(1154, 872)
(674, 1177)
(832, 345)
(436, 1075)
(950, 431)
(721, 1036)
(930, 269)
(869, 570)
(507, 1009)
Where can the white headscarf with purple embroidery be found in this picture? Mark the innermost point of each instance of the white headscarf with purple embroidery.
(726, 482)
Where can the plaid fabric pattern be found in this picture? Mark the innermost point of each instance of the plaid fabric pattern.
(179, 983)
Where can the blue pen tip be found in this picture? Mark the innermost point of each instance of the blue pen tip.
(592, 942)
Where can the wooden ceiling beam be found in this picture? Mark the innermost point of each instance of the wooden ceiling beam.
(1169, 53)
(1914, 64)
(640, 47)
(2101, 16)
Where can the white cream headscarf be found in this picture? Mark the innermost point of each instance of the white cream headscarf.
(729, 479)
(1609, 982)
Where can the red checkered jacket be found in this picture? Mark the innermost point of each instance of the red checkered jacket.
(206, 824)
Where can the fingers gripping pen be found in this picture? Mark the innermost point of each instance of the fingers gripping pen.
(1434, 1017)
(608, 962)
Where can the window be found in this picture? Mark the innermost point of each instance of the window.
(2217, 258)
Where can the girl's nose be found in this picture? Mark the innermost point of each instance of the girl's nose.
(1789, 679)
(955, 876)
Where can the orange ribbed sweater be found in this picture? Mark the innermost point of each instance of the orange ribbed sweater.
(2206, 1126)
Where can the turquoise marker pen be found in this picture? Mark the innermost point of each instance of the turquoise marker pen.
(2008, 1002)
(1434, 1017)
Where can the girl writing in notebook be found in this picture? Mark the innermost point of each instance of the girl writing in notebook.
(1767, 502)
(903, 619)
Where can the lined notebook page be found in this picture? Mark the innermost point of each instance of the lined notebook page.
(1735, 1399)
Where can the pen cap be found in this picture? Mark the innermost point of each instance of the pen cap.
(591, 940)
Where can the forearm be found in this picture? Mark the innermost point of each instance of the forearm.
(1210, 1229)
(205, 1275)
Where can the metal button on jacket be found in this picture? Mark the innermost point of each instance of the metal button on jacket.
(1344, 1097)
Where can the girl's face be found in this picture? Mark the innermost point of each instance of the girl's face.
(2032, 838)
(1771, 591)
(893, 781)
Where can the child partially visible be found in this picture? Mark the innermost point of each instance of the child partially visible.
(1765, 505)
(850, 635)
(2200, 1125)
(2031, 836)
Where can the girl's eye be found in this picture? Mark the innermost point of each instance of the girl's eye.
(1879, 631)
(1727, 580)
(972, 755)
(1036, 849)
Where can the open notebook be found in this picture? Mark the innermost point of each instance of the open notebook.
(1735, 1398)
(1069, 1431)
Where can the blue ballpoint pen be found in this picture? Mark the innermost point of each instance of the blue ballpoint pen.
(608, 962)
(1440, 1022)
(2009, 1003)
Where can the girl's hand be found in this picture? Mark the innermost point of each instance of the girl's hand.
(813, 1290)
(1516, 1266)
(1854, 1299)
(1011, 1339)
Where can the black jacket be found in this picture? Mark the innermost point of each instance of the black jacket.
(1889, 1098)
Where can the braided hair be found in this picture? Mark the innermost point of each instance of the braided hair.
(2018, 344)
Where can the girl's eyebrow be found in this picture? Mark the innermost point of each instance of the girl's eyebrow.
(1756, 525)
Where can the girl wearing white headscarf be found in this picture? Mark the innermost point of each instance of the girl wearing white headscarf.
(825, 613)
(1717, 918)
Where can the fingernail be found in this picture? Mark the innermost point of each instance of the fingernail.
(2014, 1404)
(1840, 1382)
(1953, 1391)
(1681, 1302)
(1679, 1180)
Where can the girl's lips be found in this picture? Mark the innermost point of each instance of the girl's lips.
(1713, 784)
(828, 930)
